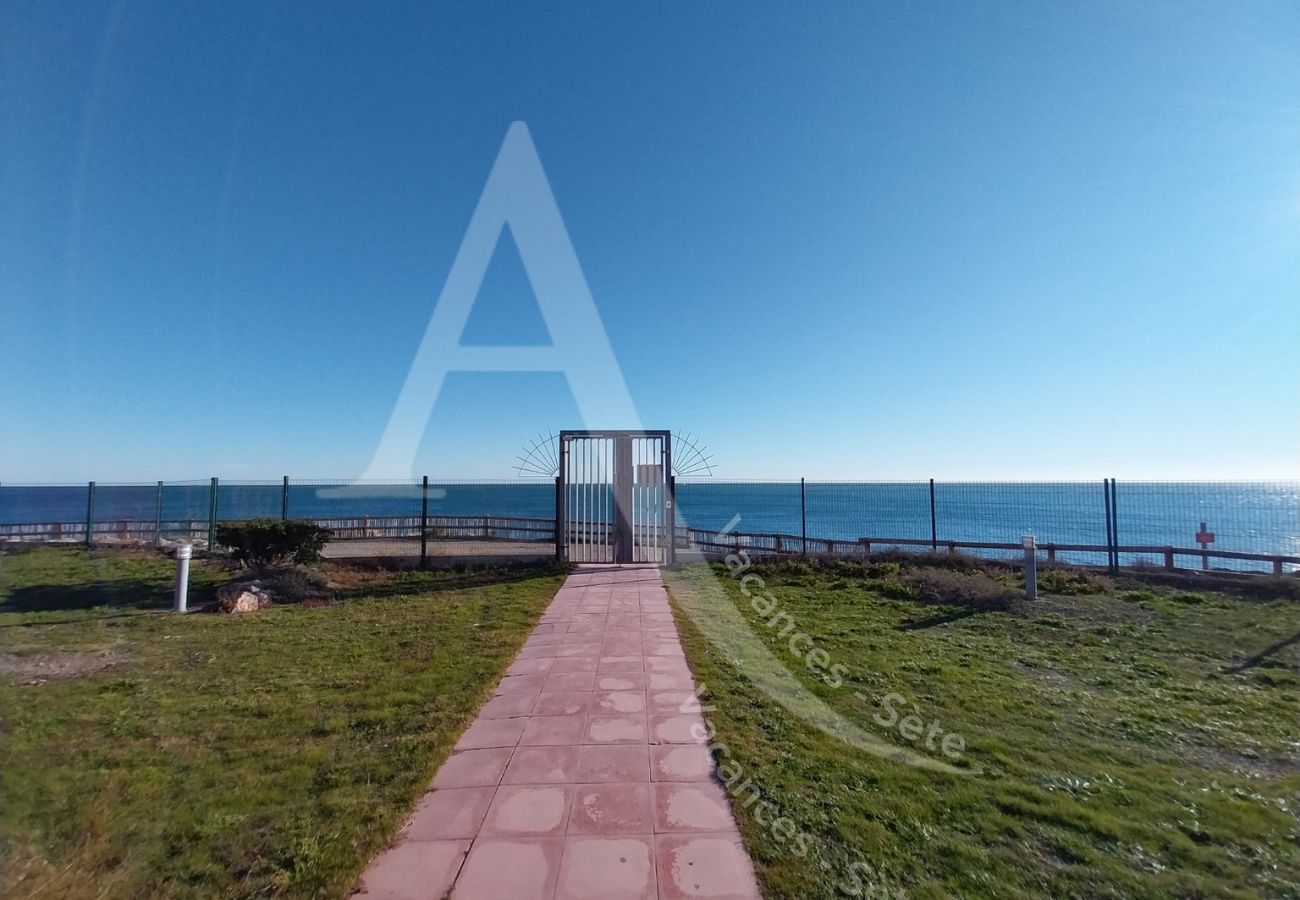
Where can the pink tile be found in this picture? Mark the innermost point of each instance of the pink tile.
(691, 806)
(563, 703)
(542, 731)
(615, 763)
(621, 729)
(541, 665)
(543, 765)
(676, 728)
(570, 681)
(473, 768)
(413, 870)
(621, 681)
(575, 664)
(598, 868)
(603, 702)
(491, 733)
(510, 869)
(520, 684)
(609, 809)
(450, 813)
(680, 762)
(508, 705)
(612, 664)
(585, 649)
(704, 867)
(615, 648)
(536, 653)
(528, 810)
(672, 701)
(674, 681)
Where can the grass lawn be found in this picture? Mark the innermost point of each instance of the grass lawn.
(147, 754)
(1129, 740)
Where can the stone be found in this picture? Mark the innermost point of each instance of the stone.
(243, 596)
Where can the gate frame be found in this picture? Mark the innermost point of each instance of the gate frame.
(620, 527)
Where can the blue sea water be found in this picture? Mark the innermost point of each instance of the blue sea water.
(1256, 517)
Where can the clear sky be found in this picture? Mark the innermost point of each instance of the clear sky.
(858, 240)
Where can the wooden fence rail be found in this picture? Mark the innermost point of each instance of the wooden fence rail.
(788, 544)
(350, 528)
(521, 529)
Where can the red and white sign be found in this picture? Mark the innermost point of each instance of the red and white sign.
(1204, 537)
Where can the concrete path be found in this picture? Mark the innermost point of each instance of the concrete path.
(580, 778)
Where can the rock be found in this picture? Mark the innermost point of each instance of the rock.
(242, 596)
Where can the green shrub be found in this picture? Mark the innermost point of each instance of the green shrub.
(955, 562)
(268, 542)
(297, 584)
(961, 589)
(1191, 598)
(1073, 582)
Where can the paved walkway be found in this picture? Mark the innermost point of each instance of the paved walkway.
(580, 777)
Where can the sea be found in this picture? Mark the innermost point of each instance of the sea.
(1245, 516)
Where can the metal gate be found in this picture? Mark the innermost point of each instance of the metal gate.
(614, 497)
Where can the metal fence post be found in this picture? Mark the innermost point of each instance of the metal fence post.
(424, 522)
(1105, 497)
(934, 525)
(90, 515)
(670, 517)
(157, 518)
(284, 500)
(559, 519)
(1111, 556)
(1031, 567)
(803, 517)
(212, 517)
(1114, 525)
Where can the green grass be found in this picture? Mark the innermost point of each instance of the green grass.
(265, 754)
(1139, 742)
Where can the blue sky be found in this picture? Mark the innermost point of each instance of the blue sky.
(858, 240)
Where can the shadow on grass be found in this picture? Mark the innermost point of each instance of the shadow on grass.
(941, 618)
(134, 594)
(435, 582)
(1259, 658)
(152, 594)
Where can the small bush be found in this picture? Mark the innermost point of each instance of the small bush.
(1073, 582)
(956, 562)
(297, 584)
(269, 542)
(876, 569)
(961, 589)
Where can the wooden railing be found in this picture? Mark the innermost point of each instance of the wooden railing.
(793, 545)
(521, 529)
(350, 528)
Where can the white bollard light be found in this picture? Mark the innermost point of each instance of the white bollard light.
(181, 593)
(1031, 567)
